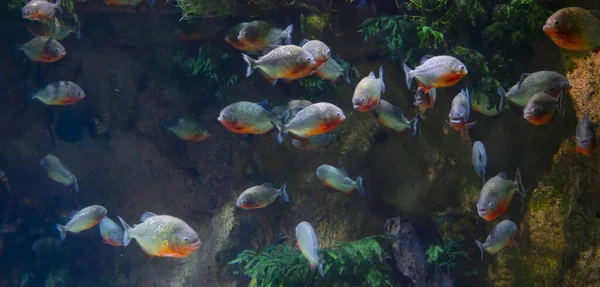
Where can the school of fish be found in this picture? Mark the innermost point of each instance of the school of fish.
(314, 126)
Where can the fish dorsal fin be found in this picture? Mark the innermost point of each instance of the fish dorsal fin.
(425, 58)
(523, 77)
(303, 42)
(596, 13)
(267, 185)
(503, 175)
(146, 215)
(372, 75)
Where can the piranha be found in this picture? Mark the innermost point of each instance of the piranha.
(111, 232)
(497, 194)
(339, 179)
(43, 49)
(392, 117)
(367, 93)
(479, 159)
(261, 196)
(501, 235)
(460, 111)
(55, 29)
(162, 235)
(313, 120)
(584, 136)
(541, 107)
(39, 10)
(82, 220)
(247, 118)
(289, 110)
(309, 246)
(287, 62)
(332, 71)
(425, 100)
(319, 141)
(575, 29)
(436, 72)
(258, 35)
(58, 172)
(232, 36)
(531, 84)
(61, 93)
(320, 52)
(185, 129)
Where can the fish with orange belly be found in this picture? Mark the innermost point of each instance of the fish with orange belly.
(306, 240)
(575, 29)
(436, 72)
(287, 62)
(338, 179)
(162, 235)
(460, 112)
(585, 136)
(500, 236)
(320, 52)
(82, 220)
(61, 93)
(497, 194)
(261, 196)
(367, 93)
(111, 232)
(541, 107)
(232, 36)
(313, 120)
(425, 100)
(43, 49)
(247, 118)
(258, 35)
(39, 10)
(185, 129)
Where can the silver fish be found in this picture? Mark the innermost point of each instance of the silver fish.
(479, 159)
(500, 236)
(309, 246)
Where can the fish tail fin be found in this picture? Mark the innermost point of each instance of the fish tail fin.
(62, 230)
(78, 29)
(347, 74)
(359, 186)
(414, 125)
(163, 125)
(251, 65)
(560, 102)
(480, 245)
(519, 181)
(502, 101)
(75, 184)
(409, 76)
(58, 6)
(126, 232)
(283, 192)
(288, 34)
(29, 95)
(321, 271)
(381, 78)
(483, 175)
(280, 131)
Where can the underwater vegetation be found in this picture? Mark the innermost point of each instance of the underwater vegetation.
(357, 263)
(219, 8)
(440, 27)
(208, 67)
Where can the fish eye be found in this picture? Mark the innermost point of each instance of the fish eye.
(328, 53)
(308, 59)
(243, 201)
(491, 205)
(186, 239)
(462, 68)
(223, 116)
(245, 33)
(362, 100)
(339, 114)
(556, 22)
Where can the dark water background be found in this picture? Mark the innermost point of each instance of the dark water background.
(123, 63)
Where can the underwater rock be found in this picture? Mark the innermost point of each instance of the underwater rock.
(410, 257)
(585, 91)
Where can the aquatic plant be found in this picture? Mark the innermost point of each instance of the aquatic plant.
(220, 8)
(388, 32)
(57, 278)
(16, 4)
(446, 254)
(358, 263)
(209, 67)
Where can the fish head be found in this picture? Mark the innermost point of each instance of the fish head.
(248, 34)
(458, 68)
(185, 240)
(74, 91)
(458, 117)
(319, 51)
(28, 11)
(558, 24)
(296, 143)
(332, 114)
(360, 99)
(486, 206)
(56, 49)
(305, 59)
(246, 201)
